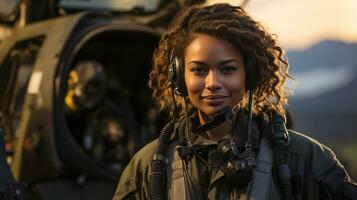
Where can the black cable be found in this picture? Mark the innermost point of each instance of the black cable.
(280, 141)
(251, 155)
(158, 164)
(186, 120)
(174, 101)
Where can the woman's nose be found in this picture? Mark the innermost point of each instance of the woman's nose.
(213, 81)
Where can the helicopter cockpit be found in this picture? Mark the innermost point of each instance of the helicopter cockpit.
(80, 58)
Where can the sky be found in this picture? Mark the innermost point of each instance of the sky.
(301, 23)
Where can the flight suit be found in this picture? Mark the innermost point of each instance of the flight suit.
(314, 168)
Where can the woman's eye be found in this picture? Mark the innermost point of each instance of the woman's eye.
(198, 70)
(228, 69)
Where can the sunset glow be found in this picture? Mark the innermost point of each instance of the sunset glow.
(302, 23)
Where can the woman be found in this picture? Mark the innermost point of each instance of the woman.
(221, 76)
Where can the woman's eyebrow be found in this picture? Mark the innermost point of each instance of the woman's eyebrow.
(200, 63)
(203, 64)
(228, 61)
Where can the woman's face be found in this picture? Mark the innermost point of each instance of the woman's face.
(214, 73)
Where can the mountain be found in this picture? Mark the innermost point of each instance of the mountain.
(325, 104)
(327, 54)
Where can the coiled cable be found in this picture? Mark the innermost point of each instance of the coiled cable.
(158, 164)
(280, 143)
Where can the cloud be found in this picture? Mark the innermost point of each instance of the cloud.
(321, 80)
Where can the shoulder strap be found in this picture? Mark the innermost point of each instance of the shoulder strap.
(175, 174)
(259, 186)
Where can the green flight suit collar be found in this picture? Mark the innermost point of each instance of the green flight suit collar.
(217, 173)
(199, 139)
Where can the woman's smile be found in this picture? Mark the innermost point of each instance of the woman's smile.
(214, 97)
(214, 100)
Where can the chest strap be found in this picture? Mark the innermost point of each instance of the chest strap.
(177, 186)
(259, 186)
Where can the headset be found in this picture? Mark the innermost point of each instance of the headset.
(240, 172)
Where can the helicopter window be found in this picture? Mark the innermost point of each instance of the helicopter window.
(14, 76)
(106, 120)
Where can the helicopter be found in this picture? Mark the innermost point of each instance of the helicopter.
(56, 150)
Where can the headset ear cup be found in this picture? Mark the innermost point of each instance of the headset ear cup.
(252, 76)
(176, 77)
(180, 78)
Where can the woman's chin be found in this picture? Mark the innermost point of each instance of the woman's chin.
(212, 110)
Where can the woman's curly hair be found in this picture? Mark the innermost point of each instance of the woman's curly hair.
(233, 24)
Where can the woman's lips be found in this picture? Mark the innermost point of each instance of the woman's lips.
(214, 100)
